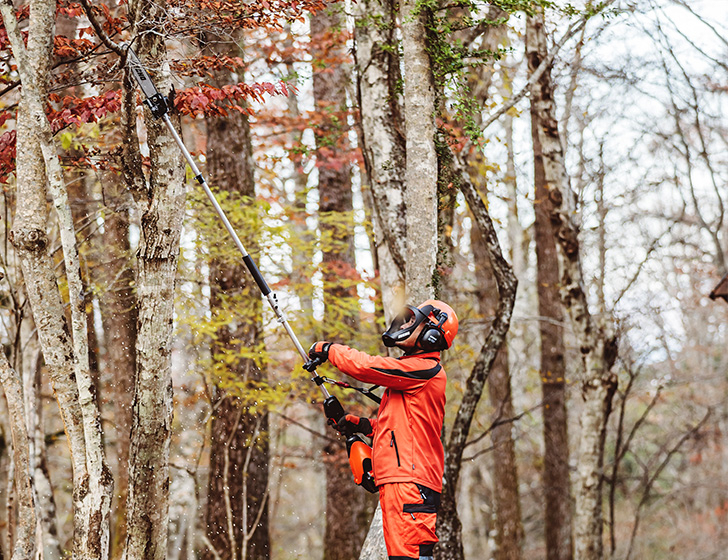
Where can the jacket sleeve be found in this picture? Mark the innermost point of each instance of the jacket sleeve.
(401, 375)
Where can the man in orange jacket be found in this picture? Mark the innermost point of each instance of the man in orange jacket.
(407, 455)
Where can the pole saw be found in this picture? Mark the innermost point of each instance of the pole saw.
(359, 452)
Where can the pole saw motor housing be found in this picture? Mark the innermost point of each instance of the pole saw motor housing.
(360, 461)
(359, 452)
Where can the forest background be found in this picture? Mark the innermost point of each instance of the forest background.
(368, 153)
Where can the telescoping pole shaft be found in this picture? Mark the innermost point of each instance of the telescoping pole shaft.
(159, 107)
(249, 262)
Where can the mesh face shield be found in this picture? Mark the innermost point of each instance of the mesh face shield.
(403, 325)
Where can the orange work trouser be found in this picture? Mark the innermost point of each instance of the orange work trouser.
(409, 512)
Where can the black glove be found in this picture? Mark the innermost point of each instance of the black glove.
(319, 354)
(352, 424)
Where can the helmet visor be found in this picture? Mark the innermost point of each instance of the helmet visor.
(403, 325)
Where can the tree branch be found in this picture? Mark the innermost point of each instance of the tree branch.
(545, 64)
(102, 35)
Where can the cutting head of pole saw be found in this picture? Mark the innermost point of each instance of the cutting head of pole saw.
(158, 104)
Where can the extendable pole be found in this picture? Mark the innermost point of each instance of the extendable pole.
(159, 107)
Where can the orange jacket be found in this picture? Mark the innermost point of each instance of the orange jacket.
(407, 445)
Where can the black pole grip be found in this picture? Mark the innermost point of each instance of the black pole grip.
(256, 275)
(333, 409)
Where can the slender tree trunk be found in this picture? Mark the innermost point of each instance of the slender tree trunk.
(162, 208)
(25, 535)
(237, 509)
(597, 346)
(449, 526)
(119, 314)
(556, 478)
(46, 505)
(498, 297)
(510, 535)
(509, 527)
(4, 477)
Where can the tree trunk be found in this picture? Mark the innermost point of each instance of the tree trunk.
(382, 138)
(556, 481)
(420, 194)
(119, 314)
(162, 208)
(25, 533)
(597, 347)
(449, 526)
(384, 150)
(237, 509)
(509, 527)
(32, 362)
(347, 507)
(67, 358)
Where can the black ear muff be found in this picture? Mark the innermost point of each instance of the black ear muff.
(430, 339)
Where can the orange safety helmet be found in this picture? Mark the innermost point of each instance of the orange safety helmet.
(440, 328)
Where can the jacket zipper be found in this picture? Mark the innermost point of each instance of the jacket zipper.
(393, 443)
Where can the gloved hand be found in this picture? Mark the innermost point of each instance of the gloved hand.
(352, 424)
(319, 354)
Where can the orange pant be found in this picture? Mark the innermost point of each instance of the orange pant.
(409, 512)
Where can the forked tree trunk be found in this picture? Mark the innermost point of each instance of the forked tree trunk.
(597, 347)
(38, 165)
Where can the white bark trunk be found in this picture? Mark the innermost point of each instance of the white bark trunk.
(92, 479)
(24, 546)
(46, 508)
(384, 149)
(421, 176)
